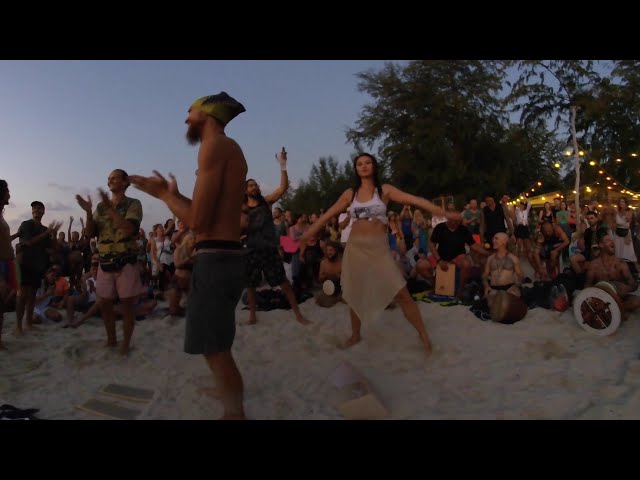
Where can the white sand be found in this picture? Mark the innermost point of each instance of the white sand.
(543, 367)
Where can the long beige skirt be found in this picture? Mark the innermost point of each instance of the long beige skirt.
(370, 277)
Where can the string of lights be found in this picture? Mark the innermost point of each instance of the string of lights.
(607, 178)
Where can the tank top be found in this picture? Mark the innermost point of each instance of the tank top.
(91, 285)
(163, 251)
(261, 232)
(372, 209)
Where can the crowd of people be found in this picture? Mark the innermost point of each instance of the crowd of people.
(230, 237)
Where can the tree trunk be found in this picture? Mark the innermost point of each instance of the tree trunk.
(577, 158)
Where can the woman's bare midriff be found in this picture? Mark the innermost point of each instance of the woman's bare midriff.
(366, 227)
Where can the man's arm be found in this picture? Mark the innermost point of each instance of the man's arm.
(51, 230)
(127, 226)
(17, 234)
(278, 192)
(322, 275)
(485, 276)
(86, 205)
(592, 275)
(480, 249)
(212, 162)
(284, 179)
(517, 268)
(563, 237)
(434, 250)
(83, 284)
(629, 281)
(507, 213)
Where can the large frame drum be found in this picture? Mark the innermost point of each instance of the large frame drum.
(596, 309)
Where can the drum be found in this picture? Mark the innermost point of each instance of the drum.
(331, 287)
(597, 310)
(330, 294)
(506, 308)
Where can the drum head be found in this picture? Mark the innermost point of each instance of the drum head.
(328, 287)
(597, 312)
(507, 308)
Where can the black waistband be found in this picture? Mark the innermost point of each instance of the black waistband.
(502, 287)
(220, 244)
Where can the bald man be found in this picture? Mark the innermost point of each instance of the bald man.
(502, 270)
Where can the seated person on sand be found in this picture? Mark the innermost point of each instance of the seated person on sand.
(142, 307)
(607, 267)
(61, 291)
(183, 257)
(587, 244)
(74, 258)
(502, 270)
(46, 301)
(420, 268)
(86, 301)
(330, 269)
(545, 256)
(447, 246)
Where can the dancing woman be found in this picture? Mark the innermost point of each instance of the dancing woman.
(370, 278)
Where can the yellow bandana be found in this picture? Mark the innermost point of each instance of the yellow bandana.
(222, 107)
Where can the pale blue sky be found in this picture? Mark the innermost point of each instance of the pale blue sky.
(64, 125)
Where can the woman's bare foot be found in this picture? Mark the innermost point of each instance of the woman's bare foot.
(125, 350)
(233, 417)
(426, 342)
(212, 392)
(18, 332)
(302, 320)
(111, 344)
(352, 341)
(2, 347)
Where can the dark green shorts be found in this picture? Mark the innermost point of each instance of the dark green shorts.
(217, 282)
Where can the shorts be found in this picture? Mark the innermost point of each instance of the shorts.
(267, 261)
(31, 277)
(9, 274)
(545, 250)
(123, 284)
(522, 231)
(217, 282)
(455, 261)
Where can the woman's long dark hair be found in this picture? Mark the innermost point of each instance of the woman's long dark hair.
(4, 188)
(357, 183)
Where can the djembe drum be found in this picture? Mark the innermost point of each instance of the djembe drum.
(597, 309)
(506, 308)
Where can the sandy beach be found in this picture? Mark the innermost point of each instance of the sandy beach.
(543, 367)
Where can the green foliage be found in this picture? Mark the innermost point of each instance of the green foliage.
(327, 181)
(442, 128)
